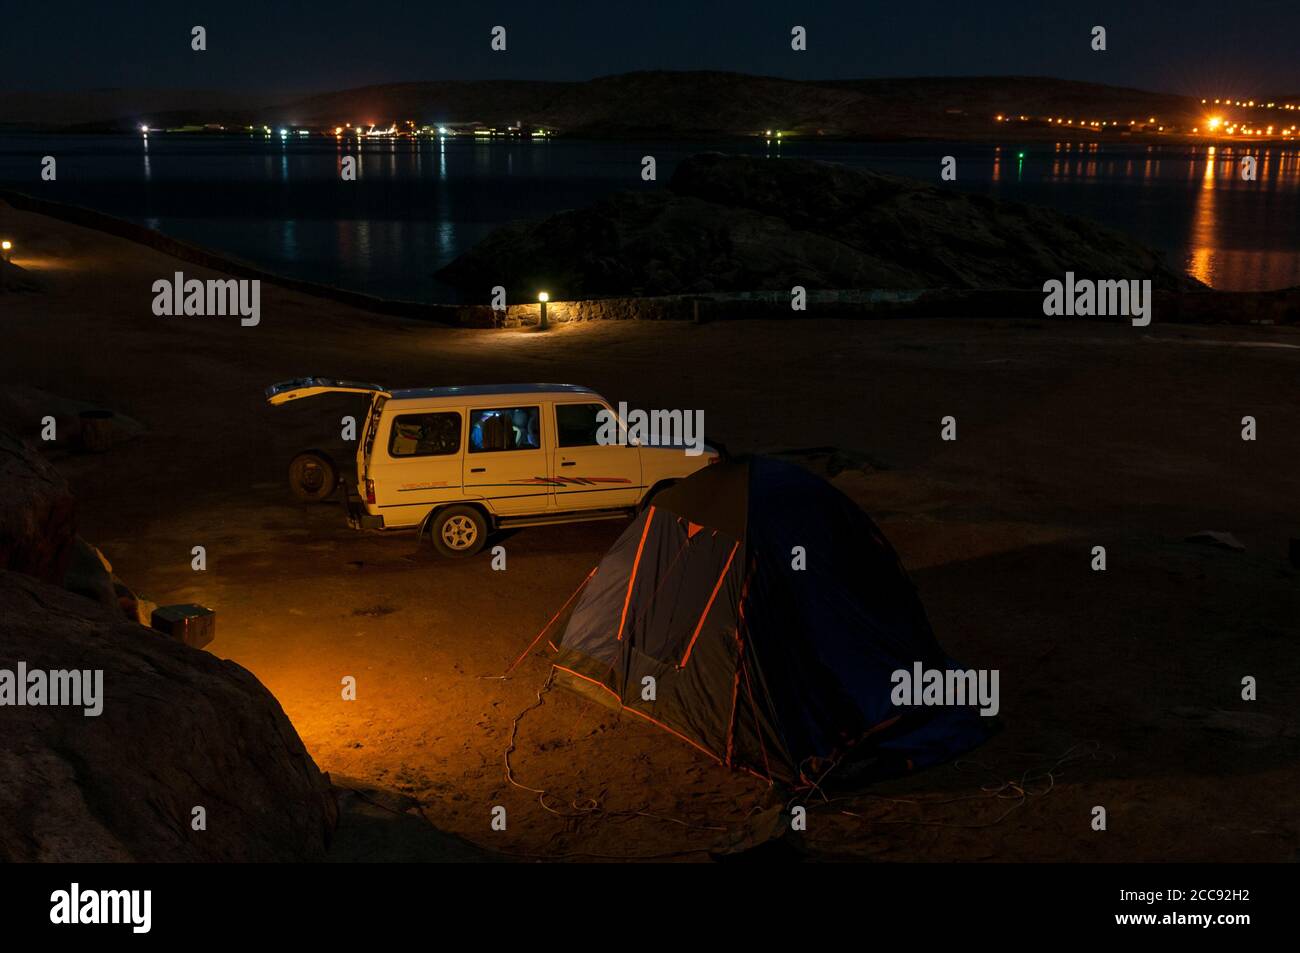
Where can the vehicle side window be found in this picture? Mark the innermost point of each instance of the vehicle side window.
(577, 425)
(505, 428)
(425, 435)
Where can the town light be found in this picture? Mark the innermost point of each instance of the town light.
(7, 247)
(542, 298)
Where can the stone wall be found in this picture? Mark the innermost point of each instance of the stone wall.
(1201, 307)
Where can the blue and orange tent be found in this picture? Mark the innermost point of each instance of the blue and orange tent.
(701, 620)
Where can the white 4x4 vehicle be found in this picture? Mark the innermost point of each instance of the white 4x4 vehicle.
(461, 462)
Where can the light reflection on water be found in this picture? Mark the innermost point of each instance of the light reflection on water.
(1217, 259)
(416, 205)
(1201, 260)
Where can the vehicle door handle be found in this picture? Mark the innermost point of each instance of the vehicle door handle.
(569, 463)
(477, 469)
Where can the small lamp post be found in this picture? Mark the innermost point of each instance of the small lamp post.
(542, 298)
(7, 248)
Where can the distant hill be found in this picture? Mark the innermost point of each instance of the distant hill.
(673, 104)
(123, 108)
(707, 103)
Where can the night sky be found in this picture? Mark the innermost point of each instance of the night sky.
(1189, 46)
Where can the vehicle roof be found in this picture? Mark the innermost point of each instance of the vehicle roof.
(487, 390)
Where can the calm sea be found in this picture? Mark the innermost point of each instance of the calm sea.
(416, 205)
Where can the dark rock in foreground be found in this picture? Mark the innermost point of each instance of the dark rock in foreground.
(382, 825)
(174, 728)
(37, 512)
(733, 223)
(13, 278)
(179, 729)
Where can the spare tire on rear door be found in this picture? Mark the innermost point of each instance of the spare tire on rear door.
(313, 476)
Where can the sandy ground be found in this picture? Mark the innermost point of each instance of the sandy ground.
(1119, 689)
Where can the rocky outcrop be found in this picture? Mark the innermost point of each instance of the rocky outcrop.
(37, 513)
(179, 729)
(91, 574)
(174, 729)
(13, 278)
(734, 223)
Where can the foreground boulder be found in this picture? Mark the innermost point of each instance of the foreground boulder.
(178, 729)
(737, 223)
(13, 278)
(37, 513)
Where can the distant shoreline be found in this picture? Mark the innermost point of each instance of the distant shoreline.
(693, 105)
(198, 255)
(1022, 135)
(1266, 308)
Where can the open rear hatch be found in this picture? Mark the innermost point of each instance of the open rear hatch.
(298, 388)
(286, 391)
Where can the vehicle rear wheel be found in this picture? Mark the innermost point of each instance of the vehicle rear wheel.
(312, 476)
(458, 531)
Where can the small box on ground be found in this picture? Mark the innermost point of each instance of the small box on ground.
(196, 626)
(97, 430)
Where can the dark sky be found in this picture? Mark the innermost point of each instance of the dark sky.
(1246, 47)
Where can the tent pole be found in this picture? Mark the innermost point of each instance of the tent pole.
(552, 622)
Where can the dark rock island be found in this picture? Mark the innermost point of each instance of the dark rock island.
(732, 223)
